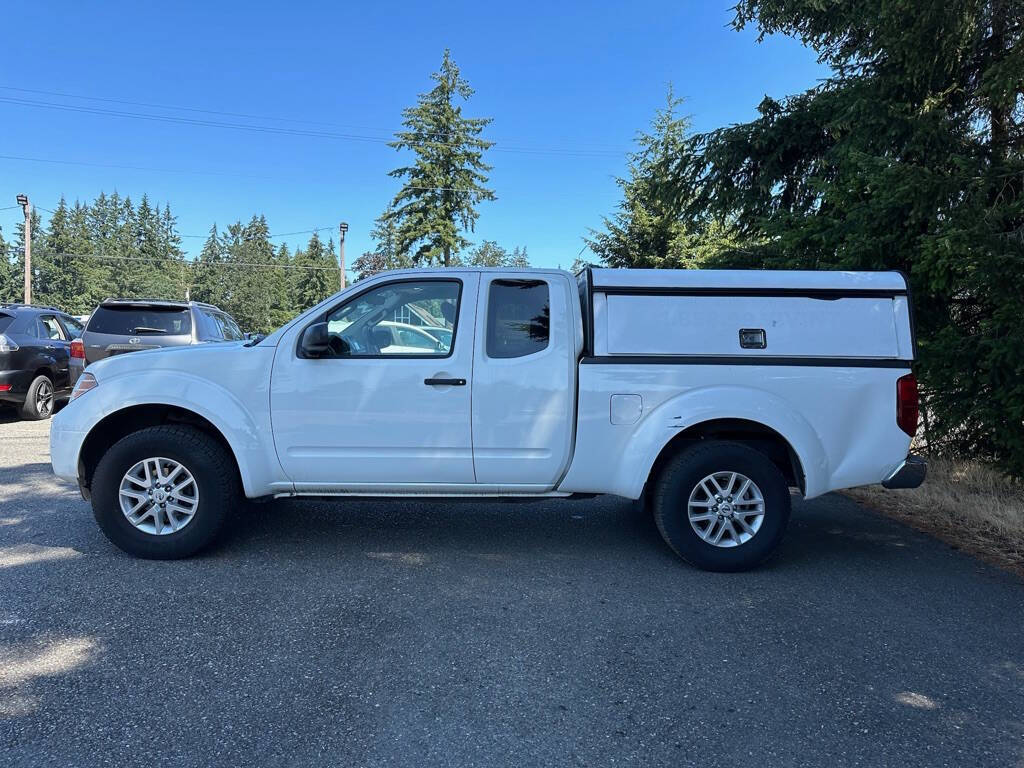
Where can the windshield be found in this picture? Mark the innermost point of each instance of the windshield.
(141, 321)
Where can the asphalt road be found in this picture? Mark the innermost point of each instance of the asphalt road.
(408, 634)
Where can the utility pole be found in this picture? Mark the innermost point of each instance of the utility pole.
(26, 206)
(342, 229)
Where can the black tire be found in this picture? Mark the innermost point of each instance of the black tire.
(682, 474)
(38, 405)
(215, 474)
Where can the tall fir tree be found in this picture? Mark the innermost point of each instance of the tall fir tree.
(208, 275)
(446, 181)
(249, 250)
(315, 274)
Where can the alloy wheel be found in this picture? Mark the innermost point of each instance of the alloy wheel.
(726, 509)
(159, 496)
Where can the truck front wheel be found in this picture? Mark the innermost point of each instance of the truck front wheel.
(721, 506)
(164, 492)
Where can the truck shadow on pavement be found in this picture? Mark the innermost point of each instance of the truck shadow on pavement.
(38, 509)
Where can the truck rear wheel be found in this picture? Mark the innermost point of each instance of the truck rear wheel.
(164, 492)
(721, 506)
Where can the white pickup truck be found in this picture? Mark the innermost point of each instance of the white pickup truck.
(709, 394)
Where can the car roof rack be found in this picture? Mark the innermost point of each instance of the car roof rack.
(22, 305)
(165, 302)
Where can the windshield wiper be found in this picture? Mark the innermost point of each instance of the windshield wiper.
(147, 329)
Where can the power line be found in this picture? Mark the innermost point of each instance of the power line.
(290, 131)
(64, 94)
(9, 207)
(128, 167)
(173, 170)
(281, 234)
(161, 106)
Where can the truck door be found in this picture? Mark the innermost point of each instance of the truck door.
(523, 379)
(381, 408)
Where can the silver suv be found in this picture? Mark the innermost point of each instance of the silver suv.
(129, 325)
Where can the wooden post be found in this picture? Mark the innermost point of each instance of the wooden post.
(342, 229)
(26, 206)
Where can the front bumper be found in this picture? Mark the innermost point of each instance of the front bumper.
(65, 445)
(909, 474)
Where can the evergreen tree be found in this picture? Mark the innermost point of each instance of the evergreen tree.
(648, 230)
(385, 255)
(10, 286)
(249, 250)
(490, 254)
(315, 276)
(282, 307)
(910, 156)
(445, 183)
(208, 275)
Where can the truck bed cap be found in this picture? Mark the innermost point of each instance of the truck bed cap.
(746, 279)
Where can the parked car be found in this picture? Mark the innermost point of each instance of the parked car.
(709, 394)
(406, 338)
(117, 326)
(35, 357)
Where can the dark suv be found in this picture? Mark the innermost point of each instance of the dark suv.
(35, 355)
(128, 325)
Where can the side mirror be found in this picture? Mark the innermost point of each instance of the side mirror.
(315, 340)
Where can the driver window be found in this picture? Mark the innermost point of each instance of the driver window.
(403, 319)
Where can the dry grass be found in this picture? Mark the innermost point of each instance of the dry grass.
(966, 504)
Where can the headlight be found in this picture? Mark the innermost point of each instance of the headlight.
(85, 382)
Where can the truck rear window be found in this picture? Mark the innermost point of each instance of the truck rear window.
(5, 320)
(141, 321)
(518, 318)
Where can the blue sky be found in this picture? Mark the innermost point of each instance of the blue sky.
(568, 85)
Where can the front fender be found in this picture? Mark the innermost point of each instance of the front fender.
(246, 430)
(704, 404)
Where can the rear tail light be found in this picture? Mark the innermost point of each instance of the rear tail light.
(907, 408)
(78, 349)
(6, 345)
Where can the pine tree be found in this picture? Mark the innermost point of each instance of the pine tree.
(208, 279)
(490, 254)
(315, 276)
(385, 255)
(10, 289)
(445, 183)
(282, 307)
(249, 250)
(649, 230)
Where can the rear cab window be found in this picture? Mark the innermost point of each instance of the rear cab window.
(518, 318)
(131, 320)
(5, 321)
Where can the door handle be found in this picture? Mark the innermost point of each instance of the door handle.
(445, 382)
